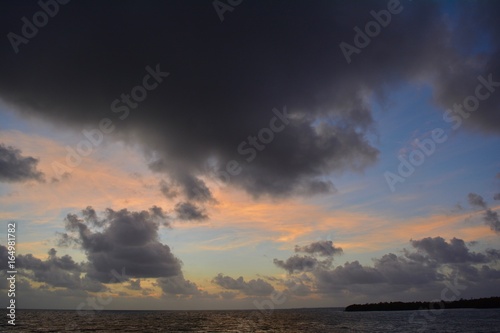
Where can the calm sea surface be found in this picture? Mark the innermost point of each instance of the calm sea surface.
(300, 320)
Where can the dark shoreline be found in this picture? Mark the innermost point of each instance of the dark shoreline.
(479, 303)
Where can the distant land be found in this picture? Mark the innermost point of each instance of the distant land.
(479, 303)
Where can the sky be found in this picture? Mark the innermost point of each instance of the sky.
(249, 154)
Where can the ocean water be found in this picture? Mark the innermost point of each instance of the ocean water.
(296, 320)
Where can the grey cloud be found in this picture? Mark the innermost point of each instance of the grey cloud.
(254, 287)
(443, 252)
(349, 273)
(297, 263)
(298, 288)
(490, 217)
(496, 196)
(127, 243)
(323, 248)
(227, 294)
(167, 189)
(492, 220)
(14, 167)
(452, 86)
(433, 262)
(195, 188)
(187, 211)
(134, 284)
(211, 104)
(56, 271)
(489, 273)
(399, 270)
(177, 285)
(476, 200)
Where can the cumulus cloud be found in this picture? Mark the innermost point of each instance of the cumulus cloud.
(297, 263)
(126, 241)
(178, 285)
(431, 263)
(322, 248)
(349, 273)
(168, 190)
(490, 216)
(443, 252)
(476, 200)
(187, 211)
(492, 219)
(14, 167)
(254, 287)
(54, 271)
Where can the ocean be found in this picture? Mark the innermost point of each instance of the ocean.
(295, 320)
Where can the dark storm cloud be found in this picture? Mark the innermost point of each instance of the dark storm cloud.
(254, 287)
(225, 79)
(187, 211)
(490, 217)
(476, 30)
(126, 244)
(323, 248)
(14, 167)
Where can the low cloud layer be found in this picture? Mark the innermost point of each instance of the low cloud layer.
(432, 263)
(178, 285)
(54, 271)
(254, 287)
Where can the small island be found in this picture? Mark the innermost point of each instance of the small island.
(479, 303)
